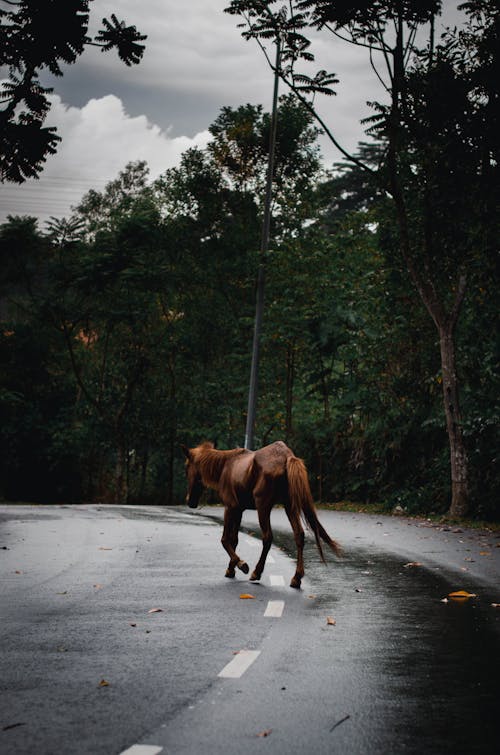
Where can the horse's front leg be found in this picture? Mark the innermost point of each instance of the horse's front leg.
(229, 540)
(264, 512)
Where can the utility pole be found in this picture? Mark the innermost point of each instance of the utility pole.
(259, 307)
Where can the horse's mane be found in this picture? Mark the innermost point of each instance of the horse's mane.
(210, 461)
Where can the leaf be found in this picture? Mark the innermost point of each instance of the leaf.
(155, 610)
(247, 596)
(132, 624)
(461, 595)
(264, 733)
(485, 553)
(495, 605)
(98, 586)
(330, 620)
(103, 683)
(101, 548)
(411, 564)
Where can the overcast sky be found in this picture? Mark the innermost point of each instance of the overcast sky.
(195, 63)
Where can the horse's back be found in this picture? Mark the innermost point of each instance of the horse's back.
(271, 459)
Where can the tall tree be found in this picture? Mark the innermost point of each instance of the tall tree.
(439, 99)
(37, 36)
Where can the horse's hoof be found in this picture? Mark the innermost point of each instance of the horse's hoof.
(255, 577)
(230, 573)
(295, 583)
(243, 566)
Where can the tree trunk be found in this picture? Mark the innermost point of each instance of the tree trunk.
(290, 375)
(121, 491)
(170, 468)
(458, 456)
(144, 473)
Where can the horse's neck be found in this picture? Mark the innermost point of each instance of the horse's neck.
(212, 463)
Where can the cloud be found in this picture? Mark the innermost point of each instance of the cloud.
(98, 140)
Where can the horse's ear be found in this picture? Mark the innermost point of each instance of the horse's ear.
(186, 451)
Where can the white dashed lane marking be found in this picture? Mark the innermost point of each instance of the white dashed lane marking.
(275, 608)
(240, 663)
(276, 580)
(142, 750)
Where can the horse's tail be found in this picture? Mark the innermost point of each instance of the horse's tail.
(301, 503)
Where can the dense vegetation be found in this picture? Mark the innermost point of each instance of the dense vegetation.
(126, 329)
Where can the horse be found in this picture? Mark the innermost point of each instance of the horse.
(256, 480)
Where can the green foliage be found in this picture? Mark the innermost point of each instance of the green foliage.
(126, 330)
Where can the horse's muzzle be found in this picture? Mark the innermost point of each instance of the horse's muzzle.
(192, 504)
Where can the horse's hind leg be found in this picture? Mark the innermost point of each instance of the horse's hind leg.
(229, 540)
(264, 512)
(298, 533)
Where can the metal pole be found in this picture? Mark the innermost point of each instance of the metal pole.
(259, 307)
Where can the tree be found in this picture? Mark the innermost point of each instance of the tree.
(37, 36)
(436, 142)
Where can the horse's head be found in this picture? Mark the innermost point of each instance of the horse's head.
(194, 483)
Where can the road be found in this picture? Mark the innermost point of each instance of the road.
(87, 665)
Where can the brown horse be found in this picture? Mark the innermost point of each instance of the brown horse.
(256, 480)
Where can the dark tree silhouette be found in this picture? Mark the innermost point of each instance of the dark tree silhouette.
(34, 37)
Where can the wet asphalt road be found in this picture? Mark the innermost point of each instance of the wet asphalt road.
(85, 668)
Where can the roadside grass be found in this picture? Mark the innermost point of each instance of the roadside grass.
(438, 519)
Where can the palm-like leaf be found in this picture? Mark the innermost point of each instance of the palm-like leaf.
(125, 38)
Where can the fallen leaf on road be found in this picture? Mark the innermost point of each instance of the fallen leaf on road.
(103, 683)
(247, 596)
(358, 589)
(495, 605)
(132, 624)
(467, 558)
(444, 600)
(264, 733)
(311, 597)
(13, 726)
(461, 595)
(105, 549)
(155, 610)
(412, 563)
(330, 620)
(98, 587)
(65, 592)
(485, 553)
